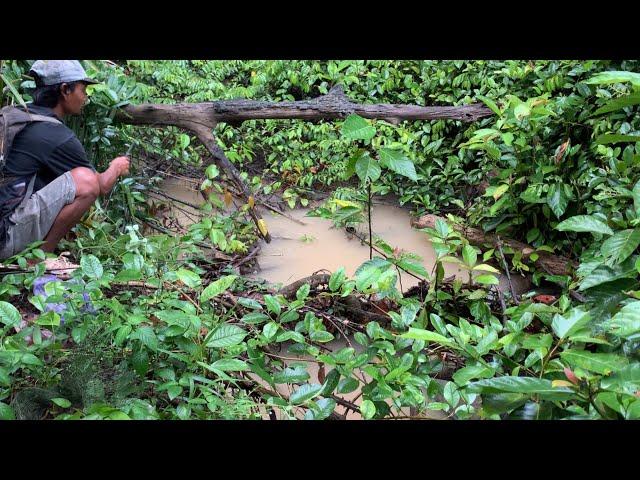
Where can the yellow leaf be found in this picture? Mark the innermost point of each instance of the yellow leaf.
(561, 383)
(500, 190)
(251, 201)
(262, 225)
(227, 198)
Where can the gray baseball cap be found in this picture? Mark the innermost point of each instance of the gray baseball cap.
(52, 72)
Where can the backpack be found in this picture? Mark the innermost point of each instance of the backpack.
(12, 121)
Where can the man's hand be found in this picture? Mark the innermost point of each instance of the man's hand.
(118, 167)
(121, 165)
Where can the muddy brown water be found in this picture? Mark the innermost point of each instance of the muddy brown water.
(297, 251)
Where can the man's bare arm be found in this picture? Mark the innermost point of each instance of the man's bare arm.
(118, 167)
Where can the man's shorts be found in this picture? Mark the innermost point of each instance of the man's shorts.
(33, 220)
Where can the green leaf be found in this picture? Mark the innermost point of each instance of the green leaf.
(627, 378)
(486, 280)
(469, 255)
(291, 375)
(337, 279)
(305, 393)
(522, 110)
(529, 385)
(367, 168)
(330, 382)
(462, 376)
(189, 278)
(6, 412)
(326, 406)
(226, 336)
(369, 272)
(148, 337)
(602, 363)
(128, 275)
(270, 329)
(557, 199)
(347, 385)
(564, 327)
(636, 197)
(367, 409)
(61, 402)
(91, 266)
(272, 304)
(607, 78)
(230, 364)
(428, 336)
(619, 103)
(626, 322)
(217, 287)
(607, 139)
(255, 317)
(5, 379)
(395, 160)
(619, 246)
(584, 223)
(303, 292)
(489, 103)
(9, 315)
(605, 274)
(357, 128)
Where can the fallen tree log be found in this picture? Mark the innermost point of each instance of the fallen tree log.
(201, 119)
(552, 264)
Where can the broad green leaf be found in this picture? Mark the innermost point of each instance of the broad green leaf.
(255, 317)
(627, 378)
(607, 78)
(605, 274)
(564, 327)
(272, 304)
(367, 168)
(369, 272)
(331, 381)
(462, 376)
(230, 364)
(636, 197)
(396, 161)
(6, 412)
(367, 409)
(128, 275)
(291, 375)
(61, 402)
(489, 103)
(305, 393)
(270, 329)
(428, 336)
(347, 385)
(357, 128)
(616, 138)
(622, 244)
(557, 199)
(226, 336)
(148, 337)
(469, 255)
(602, 363)
(337, 279)
(487, 280)
(626, 322)
(217, 287)
(619, 103)
(326, 406)
(529, 385)
(584, 223)
(303, 292)
(91, 266)
(189, 278)
(9, 315)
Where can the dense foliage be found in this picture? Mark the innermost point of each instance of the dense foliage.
(154, 328)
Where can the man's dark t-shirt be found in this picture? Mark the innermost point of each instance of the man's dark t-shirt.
(45, 149)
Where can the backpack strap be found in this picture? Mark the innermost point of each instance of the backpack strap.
(27, 195)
